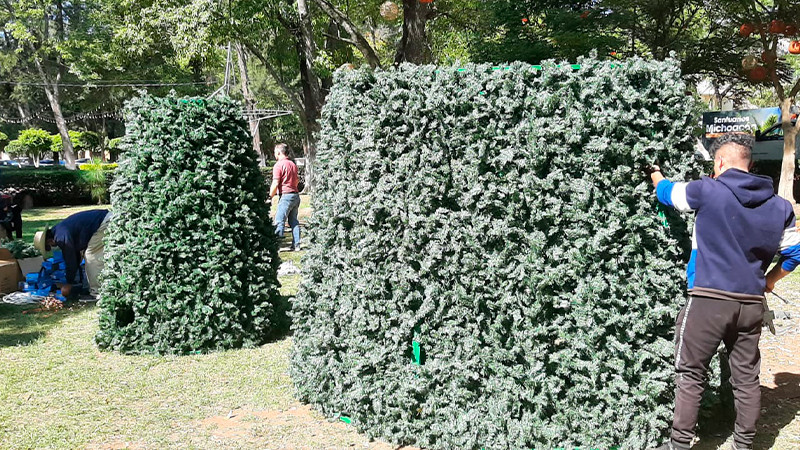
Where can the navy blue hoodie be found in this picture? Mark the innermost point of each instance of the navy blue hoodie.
(72, 236)
(741, 224)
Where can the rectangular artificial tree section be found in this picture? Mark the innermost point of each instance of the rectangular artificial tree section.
(488, 266)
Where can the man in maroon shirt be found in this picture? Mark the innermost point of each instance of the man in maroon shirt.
(284, 183)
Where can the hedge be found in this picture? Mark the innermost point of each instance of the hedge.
(46, 186)
(191, 254)
(488, 267)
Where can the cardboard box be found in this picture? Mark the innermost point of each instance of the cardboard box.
(10, 275)
(30, 265)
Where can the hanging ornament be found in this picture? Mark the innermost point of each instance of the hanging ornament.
(426, 1)
(746, 30)
(390, 11)
(794, 47)
(585, 14)
(524, 20)
(759, 73)
(749, 62)
(777, 27)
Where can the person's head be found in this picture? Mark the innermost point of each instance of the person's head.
(43, 240)
(281, 151)
(732, 150)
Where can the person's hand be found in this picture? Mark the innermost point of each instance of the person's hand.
(769, 287)
(651, 169)
(66, 289)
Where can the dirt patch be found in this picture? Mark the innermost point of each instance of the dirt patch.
(298, 427)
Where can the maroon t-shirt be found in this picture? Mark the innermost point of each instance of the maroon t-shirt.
(285, 171)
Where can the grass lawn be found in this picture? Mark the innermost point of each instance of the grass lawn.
(57, 390)
(36, 219)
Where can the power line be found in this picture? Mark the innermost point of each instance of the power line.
(92, 85)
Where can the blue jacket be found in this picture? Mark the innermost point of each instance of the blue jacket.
(72, 236)
(741, 224)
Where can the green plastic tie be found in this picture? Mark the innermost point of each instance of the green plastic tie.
(416, 349)
(662, 216)
(346, 419)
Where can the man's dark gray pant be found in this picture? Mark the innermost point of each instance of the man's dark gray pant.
(702, 324)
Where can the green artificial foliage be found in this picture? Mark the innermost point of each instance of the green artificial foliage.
(21, 249)
(191, 256)
(488, 265)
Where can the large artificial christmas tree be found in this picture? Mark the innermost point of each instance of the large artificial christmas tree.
(489, 267)
(191, 257)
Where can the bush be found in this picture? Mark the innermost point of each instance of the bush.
(191, 256)
(82, 141)
(488, 267)
(54, 186)
(32, 142)
(95, 178)
(3, 141)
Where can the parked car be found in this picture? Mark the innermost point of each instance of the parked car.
(45, 162)
(25, 161)
(83, 161)
(9, 163)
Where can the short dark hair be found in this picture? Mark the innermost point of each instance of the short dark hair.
(743, 141)
(283, 149)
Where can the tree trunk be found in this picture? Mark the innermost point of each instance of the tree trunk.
(786, 185)
(414, 47)
(51, 91)
(313, 96)
(250, 103)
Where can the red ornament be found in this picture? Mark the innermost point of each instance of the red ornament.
(746, 30)
(585, 15)
(794, 47)
(777, 27)
(613, 53)
(759, 73)
(426, 1)
(791, 30)
(524, 20)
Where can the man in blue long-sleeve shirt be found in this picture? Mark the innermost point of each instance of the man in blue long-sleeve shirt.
(79, 233)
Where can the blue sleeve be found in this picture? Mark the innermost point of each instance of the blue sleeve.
(790, 244)
(664, 192)
(685, 197)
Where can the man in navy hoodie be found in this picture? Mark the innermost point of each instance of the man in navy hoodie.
(78, 236)
(741, 224)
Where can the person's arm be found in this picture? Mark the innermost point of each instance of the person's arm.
(273, 189)
(72, 260)
(790, 254)
(276, 179)
(685, 197)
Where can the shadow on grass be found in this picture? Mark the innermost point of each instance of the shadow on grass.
(780, 406)
(281, 320)
(23, 325)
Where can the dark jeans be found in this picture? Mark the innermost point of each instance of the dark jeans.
(702, 324)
